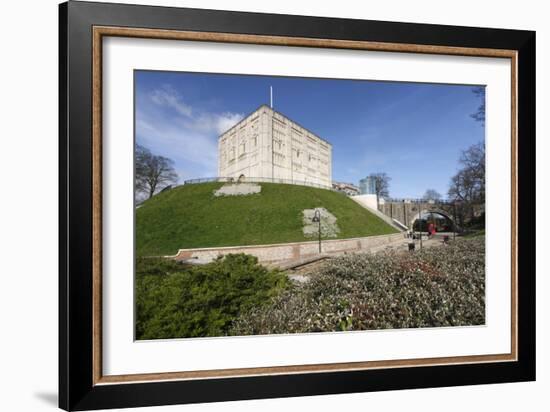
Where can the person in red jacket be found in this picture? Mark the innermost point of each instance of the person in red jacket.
(431, 230)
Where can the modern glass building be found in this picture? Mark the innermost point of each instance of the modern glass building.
(367, 186)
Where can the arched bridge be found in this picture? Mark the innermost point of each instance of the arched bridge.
(408, 212)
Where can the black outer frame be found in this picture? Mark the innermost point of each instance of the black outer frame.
(76, 389)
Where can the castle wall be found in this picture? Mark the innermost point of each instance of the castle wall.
(267, 144)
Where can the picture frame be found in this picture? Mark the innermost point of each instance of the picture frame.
(83, 27)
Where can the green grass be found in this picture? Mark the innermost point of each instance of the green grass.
(190, 216)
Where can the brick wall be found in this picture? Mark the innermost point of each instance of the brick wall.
(291, 251)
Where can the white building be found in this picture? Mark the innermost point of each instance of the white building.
(348, 188)
(267, 144)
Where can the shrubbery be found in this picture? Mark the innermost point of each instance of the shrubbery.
(176, 301)
(234, 295)
(443, 286)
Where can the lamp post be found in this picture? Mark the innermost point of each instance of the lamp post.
(317, 218)
(454, 216)
(420, 224)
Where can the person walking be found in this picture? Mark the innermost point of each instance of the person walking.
(431, 230)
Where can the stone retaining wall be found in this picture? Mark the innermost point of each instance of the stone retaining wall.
(291, 251)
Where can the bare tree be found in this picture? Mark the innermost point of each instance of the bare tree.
(473, 160)
(463, 186)
(468, 185)
(381, 184)
(431, 194)
(479, 115)
(153, 172)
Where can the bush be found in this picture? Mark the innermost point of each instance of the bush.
(177, 301)
(443, 286)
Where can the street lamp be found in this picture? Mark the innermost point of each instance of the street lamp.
(420, 225)
(454, 213)
(317, 219)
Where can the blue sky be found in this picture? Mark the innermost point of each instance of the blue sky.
(413, 132)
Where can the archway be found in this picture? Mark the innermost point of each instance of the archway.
(241, 178)
(441, 220)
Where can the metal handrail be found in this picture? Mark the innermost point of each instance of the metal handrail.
(258, 180)
(416, 200)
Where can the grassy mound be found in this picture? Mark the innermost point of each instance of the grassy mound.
(191, 216)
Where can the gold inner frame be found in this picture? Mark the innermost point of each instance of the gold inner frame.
(101, 31)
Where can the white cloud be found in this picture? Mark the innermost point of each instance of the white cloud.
(168, 97)
(142, 124)
(185, 134)
(225, 121)
(214, 122)
(193, 152)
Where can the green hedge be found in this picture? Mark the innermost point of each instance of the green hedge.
(178, 301)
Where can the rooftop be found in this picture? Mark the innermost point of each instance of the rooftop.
(280, 114)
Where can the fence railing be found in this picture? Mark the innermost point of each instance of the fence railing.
(408, 200)
(258, 180)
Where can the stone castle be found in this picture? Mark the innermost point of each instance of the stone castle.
(268, 145)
